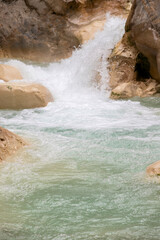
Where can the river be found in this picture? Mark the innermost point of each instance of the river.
(83, 175)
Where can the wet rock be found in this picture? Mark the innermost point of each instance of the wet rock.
(8, 73)
(10, 143)
(153, 169)
(23, 96)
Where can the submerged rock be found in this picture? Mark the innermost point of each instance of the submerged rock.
(153, 169)
(23, 96)
(8, 73)
(10, 143)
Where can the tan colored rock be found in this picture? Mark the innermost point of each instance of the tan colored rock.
(10, 143)
(125, 90)
(22, 96)
(90, 16)
(87, 32)
(135, 89)
(8, 73)
(122, 62)
(153, 169)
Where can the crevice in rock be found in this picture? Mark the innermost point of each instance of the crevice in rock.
(31, 7)
(57, 14)
(142, 67)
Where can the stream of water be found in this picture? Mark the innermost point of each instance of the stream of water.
(83, 175)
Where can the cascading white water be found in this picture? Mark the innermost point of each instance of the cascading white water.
(73, 77)
(82, 175)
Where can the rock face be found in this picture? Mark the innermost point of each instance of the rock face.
(153, 169)
(35, 30)
(134, 61)
(144, 25)
(9, 143)
(89, 16)
(122, 62)
(21, 96)
(129, 75)
(8, 73)
(47, 30)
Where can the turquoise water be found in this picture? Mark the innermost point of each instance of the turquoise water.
(83, 174)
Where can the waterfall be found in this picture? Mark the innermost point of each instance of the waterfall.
(75, 77)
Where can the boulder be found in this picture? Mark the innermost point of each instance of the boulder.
(10, 143)
(8, 73)
(144, 25)
(153, 169)
(22, 96)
